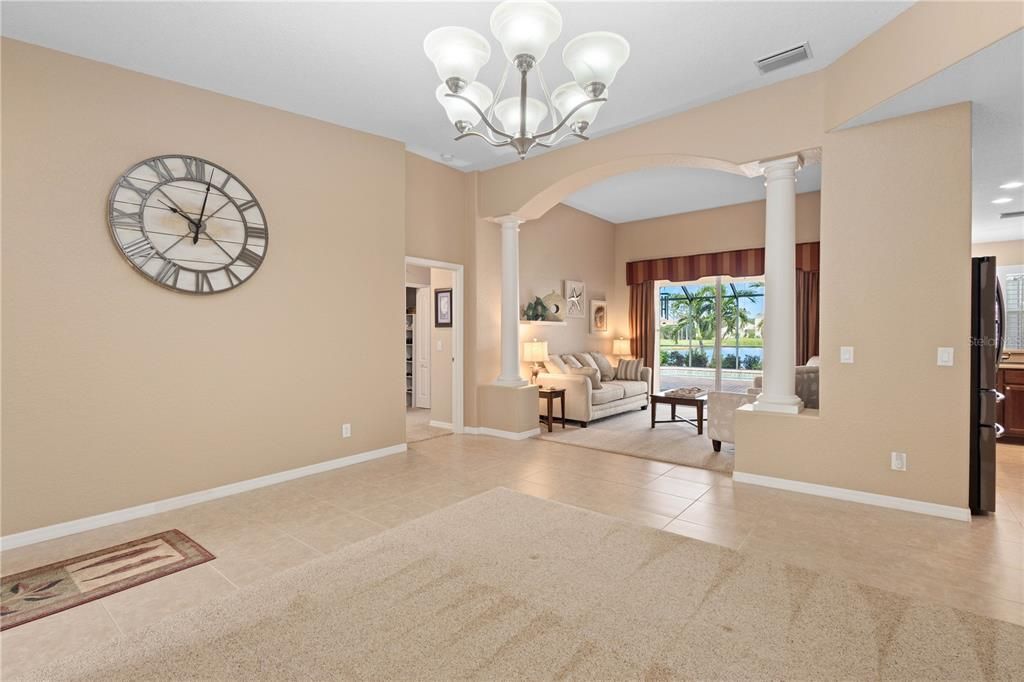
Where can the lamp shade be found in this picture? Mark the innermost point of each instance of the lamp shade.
(595, 58)
(507, 111)
(567, 96)
(457, 53)
(458, 110)
(526, 27)
(535, 351)
(620, 347)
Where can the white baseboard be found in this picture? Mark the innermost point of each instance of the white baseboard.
(901, 503)
(497, 433)
(57, 530)
(441, 425)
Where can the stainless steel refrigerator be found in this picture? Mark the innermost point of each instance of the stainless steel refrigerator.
(986, 350)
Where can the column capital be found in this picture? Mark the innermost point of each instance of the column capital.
(508, 221)
(781, 168)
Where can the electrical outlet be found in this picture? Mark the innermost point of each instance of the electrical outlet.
(945, 357)
(346, 430)
(899, 461)
(846, 355)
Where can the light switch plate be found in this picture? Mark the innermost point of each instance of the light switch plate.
(945, 357)
(846, 355)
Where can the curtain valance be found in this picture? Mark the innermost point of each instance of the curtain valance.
(741, 263)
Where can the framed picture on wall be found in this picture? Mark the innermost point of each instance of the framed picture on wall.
(598, 317)
(442, 307)
(575, 299)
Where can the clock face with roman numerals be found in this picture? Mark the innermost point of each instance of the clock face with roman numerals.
(187, 224)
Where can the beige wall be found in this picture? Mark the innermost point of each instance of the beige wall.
(440, 353)
(886, 229)
(1006, 253)
(565, 244)
(726, 228)
(440, 204)
(117, 392)
(923, 40)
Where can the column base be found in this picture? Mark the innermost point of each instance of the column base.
(784, 404)
(508, 409)
(513, 383)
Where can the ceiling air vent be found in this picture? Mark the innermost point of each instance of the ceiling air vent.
(784, 58)
(1012, 214)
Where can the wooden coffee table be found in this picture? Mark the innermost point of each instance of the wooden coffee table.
(676, 401)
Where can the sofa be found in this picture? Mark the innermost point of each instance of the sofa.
(722, 406)
(583, 402)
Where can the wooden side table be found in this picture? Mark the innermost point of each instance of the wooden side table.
(551, 394)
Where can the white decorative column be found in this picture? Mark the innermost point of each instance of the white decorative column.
(779, 383)
(510, 302)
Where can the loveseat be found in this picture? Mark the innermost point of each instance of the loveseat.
(585, 403)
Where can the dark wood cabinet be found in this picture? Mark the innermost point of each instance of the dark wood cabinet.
(1010, 412)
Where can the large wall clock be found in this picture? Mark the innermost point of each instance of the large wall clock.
(187, 224)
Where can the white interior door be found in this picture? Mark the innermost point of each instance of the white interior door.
(421, 346)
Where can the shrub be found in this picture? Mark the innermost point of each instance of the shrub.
(729, 362)
(698, 358)
(751, 362)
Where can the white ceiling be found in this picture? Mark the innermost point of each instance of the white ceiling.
(993, 80)
(656, 192)
(362, 65)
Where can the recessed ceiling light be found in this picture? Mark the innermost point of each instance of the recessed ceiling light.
(1002, 200)
(447, 158)
(1012, 185)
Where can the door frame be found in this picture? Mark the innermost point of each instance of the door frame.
(458, 334)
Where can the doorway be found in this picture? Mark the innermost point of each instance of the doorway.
(434, 326)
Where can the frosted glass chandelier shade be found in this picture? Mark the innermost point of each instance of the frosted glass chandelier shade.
(457, 53)
(568, 95)
(595, 58)
(526, 27)
(507, 111)
(458, 110)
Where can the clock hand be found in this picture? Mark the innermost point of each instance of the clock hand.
(202, 211)
(181, 213)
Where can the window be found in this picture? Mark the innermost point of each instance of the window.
(1013, 293)
(710, 333)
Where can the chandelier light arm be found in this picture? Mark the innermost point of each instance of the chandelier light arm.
(482, 115)
(570, 115)
(544, 89)
(497, 94)
(473, 133)
(555, 143)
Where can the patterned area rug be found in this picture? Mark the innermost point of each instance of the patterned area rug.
(63, 585)
(505, 586)
(630, 433)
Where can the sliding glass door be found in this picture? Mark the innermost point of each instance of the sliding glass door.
(710, 333)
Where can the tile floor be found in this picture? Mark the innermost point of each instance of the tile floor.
(417, 426)
(977, 566)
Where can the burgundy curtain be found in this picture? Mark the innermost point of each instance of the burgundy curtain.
(642, 324)
(807, 319)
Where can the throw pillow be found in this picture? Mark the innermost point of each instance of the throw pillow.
(592, 372)
(814, 361)
(554, 365)
(586, 360)
(571, 362)
(629, 370)
(607, 371)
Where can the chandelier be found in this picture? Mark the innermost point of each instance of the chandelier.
(525, 29)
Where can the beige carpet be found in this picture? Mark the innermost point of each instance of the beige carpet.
(506, 586)
(630, 433)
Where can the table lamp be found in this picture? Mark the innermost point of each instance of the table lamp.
(536, 352)
(620, 347)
